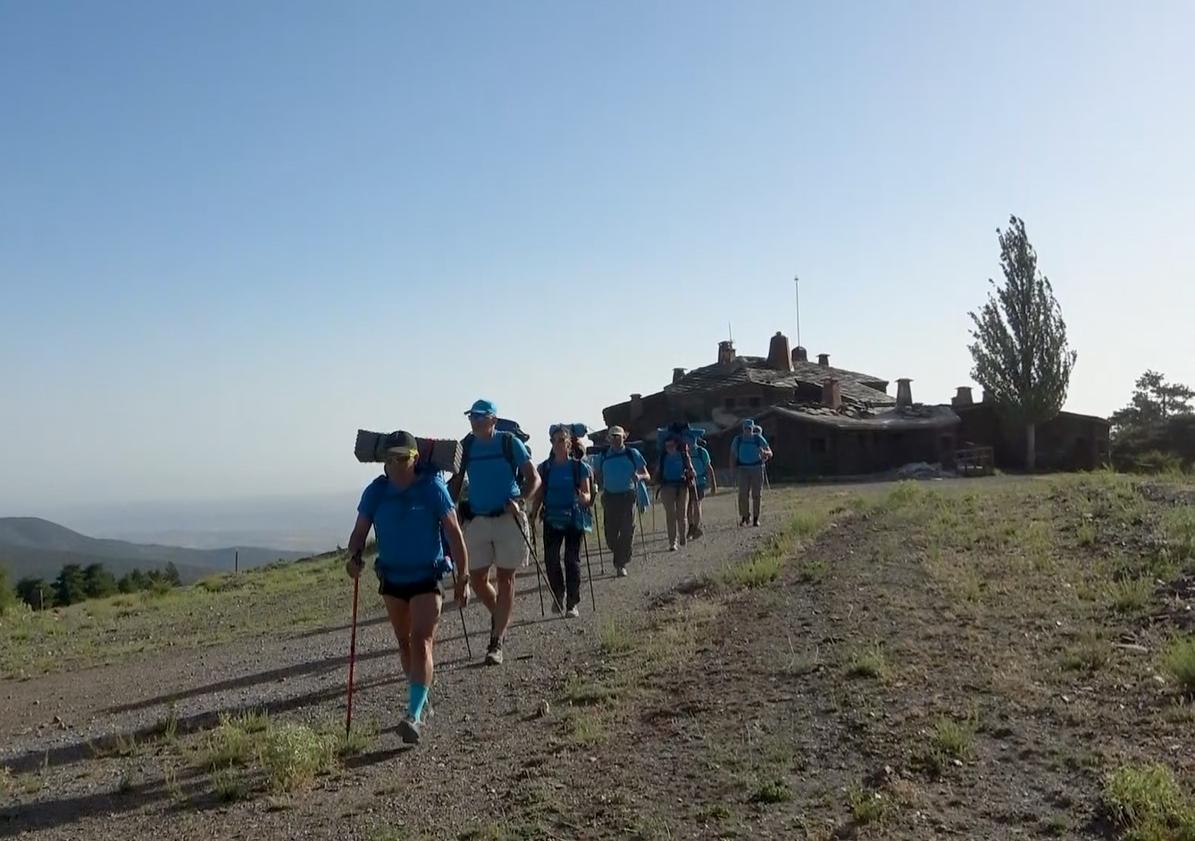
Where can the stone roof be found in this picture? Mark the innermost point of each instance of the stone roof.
(917, 416)
(755, 370)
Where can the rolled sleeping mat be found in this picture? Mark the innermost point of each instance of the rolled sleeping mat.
(690, 433)
(438, 453)
(507, 425)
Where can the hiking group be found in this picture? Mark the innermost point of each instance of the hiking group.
(479, 527)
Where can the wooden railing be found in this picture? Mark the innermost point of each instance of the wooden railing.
(975, 461)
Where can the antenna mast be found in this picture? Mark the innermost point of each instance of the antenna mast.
(797, 288)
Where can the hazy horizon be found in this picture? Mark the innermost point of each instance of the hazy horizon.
(229, 242)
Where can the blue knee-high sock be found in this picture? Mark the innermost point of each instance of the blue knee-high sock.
(417, 698)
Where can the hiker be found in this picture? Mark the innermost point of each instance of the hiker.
(496, 525)
(705, 481)
(412, 515)
(619, 473)
(675, 478)
(565, 492)
(749, 453)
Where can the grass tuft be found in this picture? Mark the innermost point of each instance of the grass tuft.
(293, 755)
(1131, 595)
(771, 792)
(866, 807)
(761, 569)
(228, 744)
(1180, 662)
(582, 693)
(615, 637)
(229, 786)
(1090, 655)
(1147, 802)
(954, 739)
(869, 662)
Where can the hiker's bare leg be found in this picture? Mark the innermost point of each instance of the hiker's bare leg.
(399, 613)
(484, 588)
(424, 615)
(505, 600)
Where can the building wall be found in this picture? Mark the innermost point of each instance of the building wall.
(1068, 442)
(805, 449)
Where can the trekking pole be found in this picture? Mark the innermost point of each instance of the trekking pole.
(597, 530)
(348, 722)
(539, 573)
(465, 628)
(589, 570)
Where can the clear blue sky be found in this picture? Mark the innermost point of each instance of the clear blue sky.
(231, 233)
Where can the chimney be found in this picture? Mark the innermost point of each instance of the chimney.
(636, 406)
(904, 393)
(963, 398)
(800, 354)
(823, 359)
(832, 394)
(779, 358)
(725, 352)
(678, 374)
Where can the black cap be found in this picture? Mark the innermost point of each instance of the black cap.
(401, 443)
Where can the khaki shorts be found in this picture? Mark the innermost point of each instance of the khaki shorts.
(497, 541)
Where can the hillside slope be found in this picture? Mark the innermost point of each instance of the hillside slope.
(30, 546)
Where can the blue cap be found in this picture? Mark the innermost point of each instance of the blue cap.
(483, 408)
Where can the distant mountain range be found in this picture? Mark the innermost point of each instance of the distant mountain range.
(30, 546)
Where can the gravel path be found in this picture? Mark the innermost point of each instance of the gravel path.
(484, 729)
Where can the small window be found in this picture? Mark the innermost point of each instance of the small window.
(817, 445)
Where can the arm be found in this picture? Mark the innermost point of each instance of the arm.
(459, 554)
(530, 480)
(764, 449)
(709, 471)
(357, 545)
(585, 493)
(536, 501)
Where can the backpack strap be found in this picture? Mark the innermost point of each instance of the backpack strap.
(508, 451)
(466, 446)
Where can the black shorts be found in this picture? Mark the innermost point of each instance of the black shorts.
(406, 592)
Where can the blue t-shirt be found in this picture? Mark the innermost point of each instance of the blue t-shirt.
(491, 477)
(672, 467)
(561, 481)
(748, 450)
(406, 522)
(701, 465)
(619, 468)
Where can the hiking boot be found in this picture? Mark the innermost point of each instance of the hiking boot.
(621, 572)
(672, 546)
(572, 612)
(697, 532)
(557, 601)
(493, 657)
(744, 521)
(408, 731)
(755, 522)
